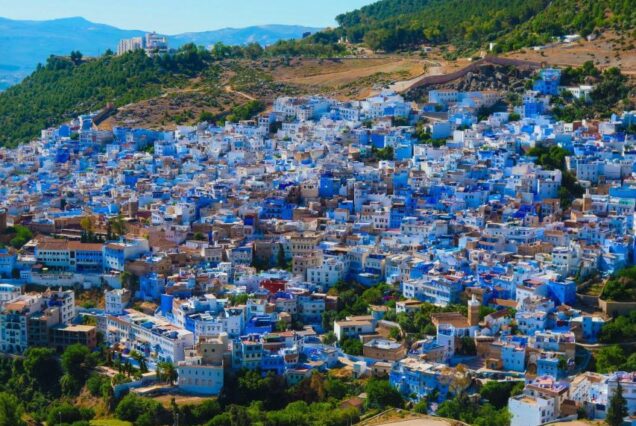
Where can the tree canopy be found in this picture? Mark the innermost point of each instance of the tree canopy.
(403, 24)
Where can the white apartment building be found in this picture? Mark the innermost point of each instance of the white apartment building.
(328, 274)
(116, 301)
(151, 336)
(353, 327)
(13, 322)
(8, 292)
(628, 383)
(529, 410)
(129, 45)
(201, 372)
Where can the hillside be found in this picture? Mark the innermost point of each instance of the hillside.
(194, 83)
(62, 89)
(164, 92)
(24, 44)
(390, 25)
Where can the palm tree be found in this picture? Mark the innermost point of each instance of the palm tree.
(167, 372)
(141, 361)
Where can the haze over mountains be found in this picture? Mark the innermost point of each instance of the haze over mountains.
(24, 44)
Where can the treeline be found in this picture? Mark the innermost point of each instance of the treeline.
(41, 384)
(391, 25)
(44, 386)
(322, 44)
(62, 89)
(562, 17)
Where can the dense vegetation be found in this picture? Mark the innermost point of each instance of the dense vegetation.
(44, 386)
(396, 24)
(620, 329)
(19, 236)
(251, 398)
(41, 377)
(614, 358)
(63, 89)
(610, 94)
(390, 24)
(471, 412)
(622, 286)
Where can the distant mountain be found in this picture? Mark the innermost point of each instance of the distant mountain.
(263, 35)
(24, 44)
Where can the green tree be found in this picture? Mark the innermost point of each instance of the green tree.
(10, 410)
(95, 384)
(199, 414)
(78, 361)
(609, 358)
(498, 393)
(468, 346)
(76, 57)
(464, 409)
(380, 394)
(67, 414)
(329, 338)
(617, 409)
(206, 116)
(167, 372)
(351, 346)
(43, 369)
(421, 406)
(622, 286)
(142, 411)
(22, 236)
(280, 257)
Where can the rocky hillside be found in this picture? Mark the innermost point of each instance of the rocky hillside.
(491, 77)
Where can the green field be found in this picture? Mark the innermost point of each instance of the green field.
(110, 422)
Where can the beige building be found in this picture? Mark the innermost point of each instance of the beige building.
(384, 350)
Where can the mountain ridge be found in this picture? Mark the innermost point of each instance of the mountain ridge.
(25, 43)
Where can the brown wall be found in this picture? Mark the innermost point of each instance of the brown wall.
(446, 78)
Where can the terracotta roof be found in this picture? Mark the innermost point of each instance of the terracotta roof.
(53, 245)
(505, 303)
(73, 245)
(455, 319)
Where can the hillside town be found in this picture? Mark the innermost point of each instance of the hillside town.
(439, 246)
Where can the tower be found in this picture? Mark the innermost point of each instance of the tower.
(3, 220)
(587, 201)
(473, 311)
(133, 207)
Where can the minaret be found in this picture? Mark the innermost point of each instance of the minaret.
(587, 201)
(473, 311)
(133, 207)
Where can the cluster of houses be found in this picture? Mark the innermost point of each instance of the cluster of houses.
(218, 247)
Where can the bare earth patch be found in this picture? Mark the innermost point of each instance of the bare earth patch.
(608, 50)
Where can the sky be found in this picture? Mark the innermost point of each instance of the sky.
(177, 16)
